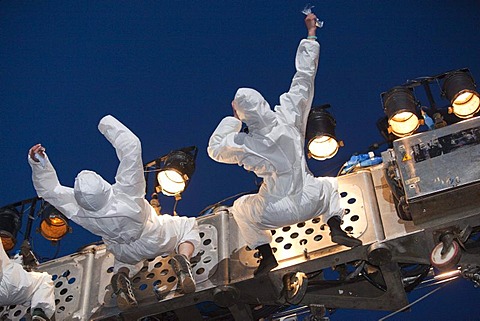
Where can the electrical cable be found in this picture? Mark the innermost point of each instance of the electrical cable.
(414, 302)
(226, 199)
(372, 282)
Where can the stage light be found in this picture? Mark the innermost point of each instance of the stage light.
(459, 88)
(10, 223)
(321, 140)
(400, 106)
(176, 170)
(54, 225)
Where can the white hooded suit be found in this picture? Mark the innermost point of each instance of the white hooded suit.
(18, 286)
(274, 150)
(119, 213)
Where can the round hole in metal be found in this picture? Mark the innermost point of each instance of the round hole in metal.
(318, 238)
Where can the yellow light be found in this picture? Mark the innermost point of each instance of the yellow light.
(448, 275)
(404, 123)
(54, 227)
(466, 104)
(171, 182)
(323, 147)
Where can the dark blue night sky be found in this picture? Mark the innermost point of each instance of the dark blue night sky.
(169, 69)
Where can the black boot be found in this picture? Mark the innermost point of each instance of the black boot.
(338, 235)
(267, 261)
(39, 315)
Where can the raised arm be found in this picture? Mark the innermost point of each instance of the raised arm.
(296, 103)
(129, 178)
(48, 187)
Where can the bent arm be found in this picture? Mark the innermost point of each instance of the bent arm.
(129, 178)
(222, 146)
(48, 187)
(296, 103)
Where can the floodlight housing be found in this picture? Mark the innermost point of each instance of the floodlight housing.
(400, 107)
(322, 143)
(459, 88)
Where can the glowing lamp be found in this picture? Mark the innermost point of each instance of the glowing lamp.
(400, 106)
(459, 88)
(54, 225)
(176, 170)
(10, 222)
(321, 140)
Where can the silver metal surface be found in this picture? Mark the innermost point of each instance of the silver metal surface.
(299, 240)
(439, 168)
(224, 267)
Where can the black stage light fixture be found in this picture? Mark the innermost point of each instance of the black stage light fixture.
(400, 107)
(176, 169)
(459, 88)
(321, 140)
(10, 223)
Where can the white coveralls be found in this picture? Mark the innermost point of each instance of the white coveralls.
(119, 213)
(274, 150)
(19, 287)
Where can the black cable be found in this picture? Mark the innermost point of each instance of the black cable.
(313, 275)
(419, 279)
(57, 251)
(226, 199)
(367, 277)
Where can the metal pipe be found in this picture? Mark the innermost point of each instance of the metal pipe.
(31, 217)
(88, 273)
(428, 91)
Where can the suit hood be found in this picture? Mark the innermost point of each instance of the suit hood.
(91, 191)
(253, 110)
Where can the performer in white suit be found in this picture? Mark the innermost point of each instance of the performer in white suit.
(274, 150)
(18, 286)
(119, 213)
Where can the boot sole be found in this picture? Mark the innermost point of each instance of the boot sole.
(125, 302)
(188, 285)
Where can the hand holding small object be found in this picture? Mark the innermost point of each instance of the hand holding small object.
(37, 153)
(308, 10)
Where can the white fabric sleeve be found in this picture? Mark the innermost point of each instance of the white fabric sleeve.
(130, 178)
(4, 259)
(222, 146)
(48, 187)
(296, 103)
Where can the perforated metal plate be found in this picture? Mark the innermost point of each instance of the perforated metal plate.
(82, 281)
(158, 276)
(291, 241)
(67, 281)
